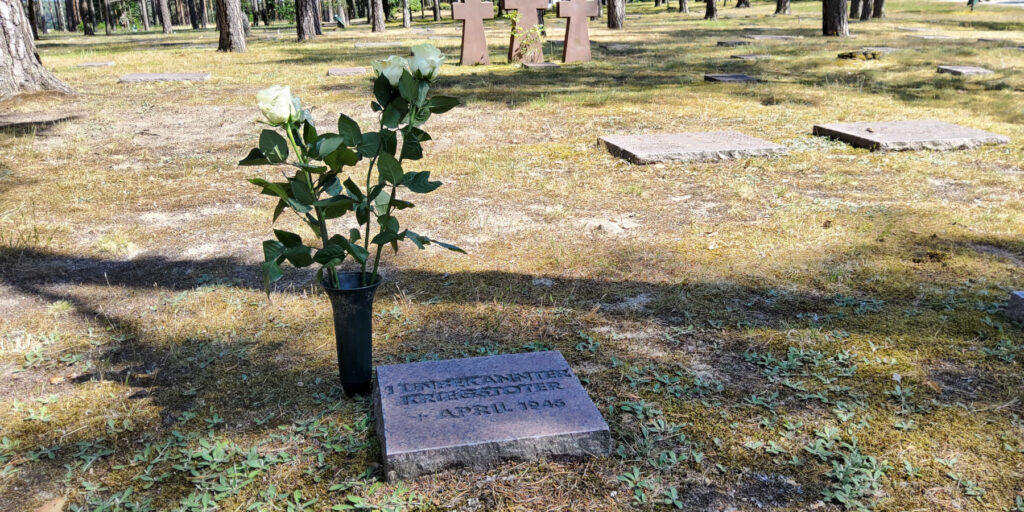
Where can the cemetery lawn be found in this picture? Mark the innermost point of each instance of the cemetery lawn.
(822, 330)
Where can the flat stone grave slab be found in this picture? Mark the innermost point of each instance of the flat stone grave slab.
(688, 147)
(932, 36)
(540, 65)
(908, 135)
(861, 55)
(735, 78)
(770, 37)
(164, 77)
(27, 121)
(379, 44)
(617, 47)
(964, 70)
(101, 64)
(1015, 308)
(734, 43)
(880, 49)
(912, 29)
(476, 412)
(752, 56)
(443, 38)
(346, 71)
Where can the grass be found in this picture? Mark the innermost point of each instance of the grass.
(822, 330)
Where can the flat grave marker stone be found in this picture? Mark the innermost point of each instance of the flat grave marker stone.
(479, 411)
(770, 37)
(908, 135)
(688, 147)
(752, 56)
(100, 64)
(932, 37)
(379, 44)
(734, 43)
(1015, 308)
(964, 70)
(735, 78)
(617, 47)
(540, 65)
(880, 49)
(164, 77)
(26, 121)
(346, 71)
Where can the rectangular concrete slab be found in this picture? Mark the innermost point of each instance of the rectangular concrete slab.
(165, 77)
(752, 56)
(346, 71)
(964, 70)
(379, 44)
(734, 43)
(880, 49)
(101, 64)
(1015, 308)
(770, 37)
(540, 65)
(730, 78)
(477, 412)
(908, 135)
(932, 36)
(687, 147)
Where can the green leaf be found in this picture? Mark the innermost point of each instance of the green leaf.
(271, 189)
(408, 87)
(279, 209)
(381, 202)
(420, 241)
(271, 273)
(442, 104)
(255, 157)
(392, 115)
(450, 247)
(421, 135)
(331, 255)
(332, 185)
(390, 169)
(327, 144)
(419, 182)
(309, 132)
(340, 158)
(398, 204)
(287, 238)
(353, 235)
(274, 146)
(349, 131)
(299, 256)
(301, 190)
(335, 201)
(411, 148)
(356, 251)
(298, 206)
(315, 169)
(384, 237)
(388, 141)
(272, 250)
(388, 223)
(353, 190)
(369, 146)
(421, 96)
(421, 117)
(382, 90)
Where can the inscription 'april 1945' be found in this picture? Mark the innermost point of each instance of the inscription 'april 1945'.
(478, 386)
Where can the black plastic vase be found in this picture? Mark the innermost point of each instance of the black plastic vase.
(353, 330)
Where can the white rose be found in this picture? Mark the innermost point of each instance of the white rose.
(277, 104)
(391, 67)
(426, 61)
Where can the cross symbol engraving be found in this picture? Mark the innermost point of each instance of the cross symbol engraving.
(474, 44)
(527, 10)
(577, 37)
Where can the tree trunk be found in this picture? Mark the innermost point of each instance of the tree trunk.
(108, 24)
(315, 5)
(854, 9)
(684, 6)
(406, 14)
(834, 20)
(742, 3)
(71, 7)
(305, 24)
(33, 20)
(436, 6)
(143, 15)
(203, 19)
(782, 7)
(229, 24)
(165, 17)
(88, 21)
(377, 14)
(616, 13)
(711, 12)
(878, 10)
(866, 11)
(20, 66)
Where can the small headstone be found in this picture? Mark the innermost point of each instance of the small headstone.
(540, 65)
(379, 44)
(346, 71)
(165, 77)
(908, 135)
(730, 78)
(770, 37)
(474, 42)
(734, 43)
(577, 37)
(101, 64)
(752, 56)
(687, 147)
(480, 411)
(525, 20)
(1015, 308)
(964, 70)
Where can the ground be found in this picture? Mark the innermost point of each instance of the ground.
(822, 331)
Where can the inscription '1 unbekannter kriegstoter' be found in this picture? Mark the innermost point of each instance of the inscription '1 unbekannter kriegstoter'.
(477, 411)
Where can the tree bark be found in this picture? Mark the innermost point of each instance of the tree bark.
(108, 24)
(854, 9)
(88, 22)
(834, 18)
(435, 5)
(616, 13)
(711, 12)
(20, 66)
(878, 10)
(33, 20)
(406, 14)
(684, 6)
(165, 17)
(71, 8)
(742, 3)
(866, 10)
(377, 14)
(305, 24)
(229, 24)
(782, 7)
(316, 18)
(143, 15)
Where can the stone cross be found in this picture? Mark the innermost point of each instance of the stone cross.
(527, 10)
(577, 37)
(474, 44)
